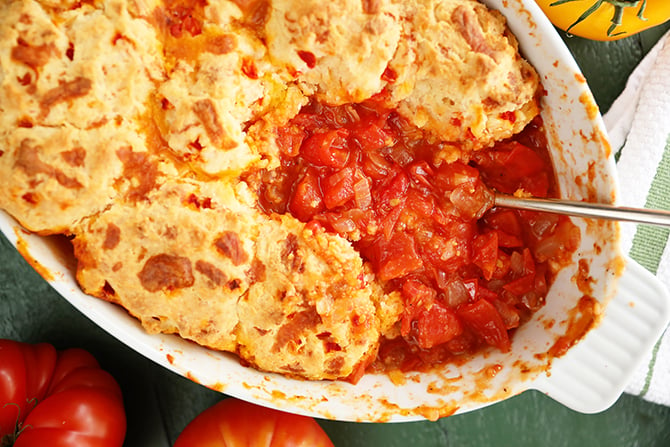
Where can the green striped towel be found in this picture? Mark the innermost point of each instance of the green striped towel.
(638, 124)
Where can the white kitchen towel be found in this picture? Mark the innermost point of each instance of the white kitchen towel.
(638, 124)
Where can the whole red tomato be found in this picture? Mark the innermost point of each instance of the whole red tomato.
(235, 423)
(57, 399)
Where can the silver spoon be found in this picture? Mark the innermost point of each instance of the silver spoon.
(585, 209)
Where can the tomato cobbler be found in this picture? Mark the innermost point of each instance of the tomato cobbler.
(305, 184)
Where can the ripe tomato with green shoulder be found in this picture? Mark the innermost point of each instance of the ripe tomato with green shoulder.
(236, 423)
(57, 398)
(605, 19)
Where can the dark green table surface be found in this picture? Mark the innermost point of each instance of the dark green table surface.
(160, 403)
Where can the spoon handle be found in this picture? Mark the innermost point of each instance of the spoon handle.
(585, 209)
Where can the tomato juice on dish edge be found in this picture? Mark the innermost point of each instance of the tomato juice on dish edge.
(469, 274)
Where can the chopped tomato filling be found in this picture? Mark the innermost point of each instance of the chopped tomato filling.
(469, 274)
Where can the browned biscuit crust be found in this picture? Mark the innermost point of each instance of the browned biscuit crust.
(196, 260)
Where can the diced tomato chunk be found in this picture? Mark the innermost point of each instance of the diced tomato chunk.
(483, 318)
(450, 175)
(289, 140)
(307, 199)
(487, 294)
(512, 166)
(437, 325)
(397, 257)
(393, 193)
(522, 264)
(423, 205)
(388, 222)
(465, 343)
(536, 185)
(508, 240)
(372, 137)
(485, 253)
(522, 161)
(528, 262)
(421, 173)
(418, 298)
(504, 220)
(376, 166)
(477, 291)
(326, 149)
(521, 286)
(427, 321)
(338, 188)
(472, 286)
(508, 313)
(446, 252)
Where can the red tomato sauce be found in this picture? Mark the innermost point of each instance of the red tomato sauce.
(468, 273)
